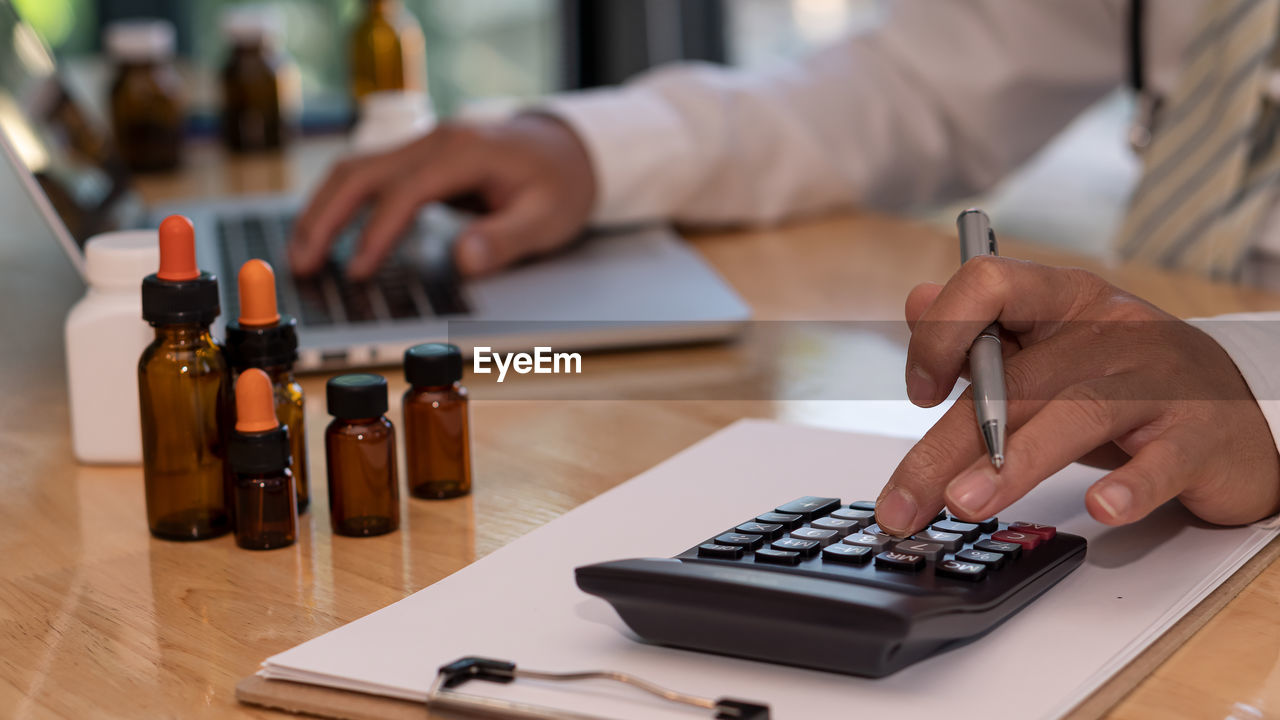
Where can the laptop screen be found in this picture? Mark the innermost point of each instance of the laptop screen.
(68, 152)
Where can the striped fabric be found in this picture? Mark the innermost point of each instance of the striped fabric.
(1209, 175)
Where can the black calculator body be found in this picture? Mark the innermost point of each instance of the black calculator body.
(815, 583)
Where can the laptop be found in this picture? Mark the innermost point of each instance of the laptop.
(637, 287)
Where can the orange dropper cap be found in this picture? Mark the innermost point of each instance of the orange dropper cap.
(257, 284)
(177, 250)
(255, 403)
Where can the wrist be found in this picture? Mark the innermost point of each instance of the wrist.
(565, 147)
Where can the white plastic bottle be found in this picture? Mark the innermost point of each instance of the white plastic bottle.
(105, 336)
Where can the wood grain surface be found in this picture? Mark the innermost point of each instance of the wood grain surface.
(97, 619)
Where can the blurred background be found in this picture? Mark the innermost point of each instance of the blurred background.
(490, 51)
(486, 57)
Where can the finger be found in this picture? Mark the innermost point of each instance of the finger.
(452, 172)
(525, 227)
(914, 493)
(1022, 296)
(1158, 472)
(348, 186)
(1079, 419)
(919, 300)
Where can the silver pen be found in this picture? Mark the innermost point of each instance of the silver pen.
(986, 363)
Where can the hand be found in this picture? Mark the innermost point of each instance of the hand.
(532, 173)
(1092, 373)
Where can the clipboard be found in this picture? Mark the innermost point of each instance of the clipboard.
(318, 701)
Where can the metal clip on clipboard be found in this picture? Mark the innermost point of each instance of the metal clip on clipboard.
(444, 696)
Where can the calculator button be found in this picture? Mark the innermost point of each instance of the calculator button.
(809, 506)
(854, 554)
(930, 551)
(942, 515)
(863, 505)
(712, 550)
(768, 530)
(993, 560)
(968, 531)
(841, 526)
(746, 540)
(875, 530)
(784, 519)
(823, 537)
(1046, 532)
(875, 542)
(1012, 550)
(1027, 540)
(862, 517)
(989, 525)
(949, 540)
(894, 560)
(972, 572)
(777, 557)
(806, 548)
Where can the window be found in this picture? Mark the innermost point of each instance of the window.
(475, 50)
(762, 31)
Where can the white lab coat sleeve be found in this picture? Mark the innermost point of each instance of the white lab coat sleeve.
(940, 100)
(1253, 342)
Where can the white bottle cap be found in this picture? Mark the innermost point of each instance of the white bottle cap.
(120, 260)
(142, 40)
(391, 118)
(251, 24)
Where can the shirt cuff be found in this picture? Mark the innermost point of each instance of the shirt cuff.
(637, 145)
(1251, 339)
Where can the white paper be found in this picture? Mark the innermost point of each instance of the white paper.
(521, 603)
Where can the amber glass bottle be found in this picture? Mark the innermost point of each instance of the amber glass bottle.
(266, 503)
(387, 50)
(360, 452)
(437, 442)
(253, 78)
(147, 102)
(184, 396)
(263, 338)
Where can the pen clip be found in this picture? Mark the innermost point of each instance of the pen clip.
(992, 248)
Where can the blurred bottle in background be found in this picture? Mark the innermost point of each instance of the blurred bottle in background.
(260, 86)
(387, 50)
(146, 100)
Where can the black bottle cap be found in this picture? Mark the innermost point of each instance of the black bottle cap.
(262, 347)
(173, 302)
(356, 396)
(259, 453)
(433, 364)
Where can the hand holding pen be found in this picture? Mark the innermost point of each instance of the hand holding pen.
(1092, 374)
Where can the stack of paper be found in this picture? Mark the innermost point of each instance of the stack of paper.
(521, 604)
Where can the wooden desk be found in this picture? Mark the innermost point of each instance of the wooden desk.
(98, 619)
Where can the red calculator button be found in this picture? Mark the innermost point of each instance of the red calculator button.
(1046, 532)
(1027, 540)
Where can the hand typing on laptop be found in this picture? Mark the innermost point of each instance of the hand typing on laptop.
(532, 174)
(1093, 374)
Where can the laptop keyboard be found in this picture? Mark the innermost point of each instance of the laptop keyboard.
(401, 290)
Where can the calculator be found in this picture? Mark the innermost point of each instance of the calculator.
(816, 583)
